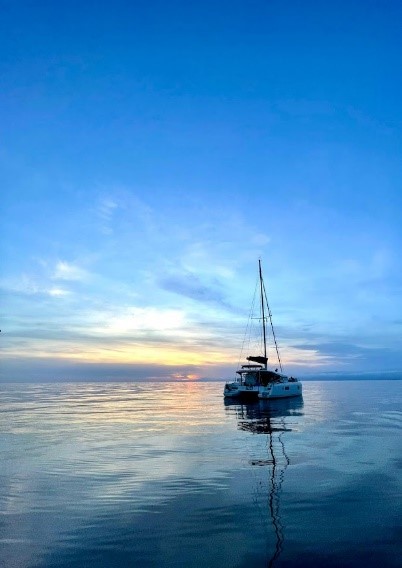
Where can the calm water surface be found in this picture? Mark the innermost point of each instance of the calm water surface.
(169, 474)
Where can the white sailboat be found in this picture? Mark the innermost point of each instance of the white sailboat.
(255, 379)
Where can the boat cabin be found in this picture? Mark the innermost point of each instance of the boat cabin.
(254, 375)
(249, 375)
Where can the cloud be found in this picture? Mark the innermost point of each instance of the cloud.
(27, 285)
(106, 209)
(260, 240)
(332, 348)
(67, 271)
(133, 319)
(58, 292)
(352, 356)
(122, 211)
(190, 286)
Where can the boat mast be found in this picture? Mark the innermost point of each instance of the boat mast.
(263, 312)
(272, 328)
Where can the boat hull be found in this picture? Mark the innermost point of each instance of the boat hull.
(285, 389)
(235, 390)
(281, 390)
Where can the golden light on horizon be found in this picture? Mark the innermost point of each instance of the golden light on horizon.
(140, 353)
(150, 337)
(185, 377)
(160, 354)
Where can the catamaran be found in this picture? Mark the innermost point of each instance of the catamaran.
(255, 380)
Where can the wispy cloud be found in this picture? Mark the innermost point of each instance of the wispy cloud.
(190, 286)
(122, 321)
(58, 292)
(68, 271)
(106, 209)
(27, 285)
(122, 208)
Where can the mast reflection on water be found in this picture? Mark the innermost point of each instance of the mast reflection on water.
(270, 418)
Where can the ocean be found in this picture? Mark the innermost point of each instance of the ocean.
(172, 475)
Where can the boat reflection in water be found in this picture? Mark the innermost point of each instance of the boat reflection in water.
(271, 418)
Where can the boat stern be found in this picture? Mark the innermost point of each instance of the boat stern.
(286, 389)
(231, 389)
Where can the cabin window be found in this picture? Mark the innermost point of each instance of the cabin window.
(286, 388)
(250, 379)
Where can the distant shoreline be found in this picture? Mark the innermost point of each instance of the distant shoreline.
(329, 377)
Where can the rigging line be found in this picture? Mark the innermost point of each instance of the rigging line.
(272, 327)
(247, 333)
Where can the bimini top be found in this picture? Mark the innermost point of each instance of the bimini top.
(249, 368)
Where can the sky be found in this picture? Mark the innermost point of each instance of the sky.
(152, 152)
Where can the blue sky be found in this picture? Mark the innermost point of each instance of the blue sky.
(152, 152)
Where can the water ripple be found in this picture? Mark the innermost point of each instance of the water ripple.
(134, 475)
